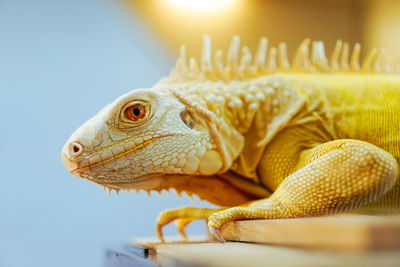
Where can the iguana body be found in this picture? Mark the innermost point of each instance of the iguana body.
(267, 139)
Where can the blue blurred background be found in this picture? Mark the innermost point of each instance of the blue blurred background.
(60, 62)
(63, 60)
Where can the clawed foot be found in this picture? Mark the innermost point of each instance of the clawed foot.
(182, 217)
(180, 225)
(172, 215)
(219, 219)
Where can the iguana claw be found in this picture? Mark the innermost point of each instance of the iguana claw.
(216, 233)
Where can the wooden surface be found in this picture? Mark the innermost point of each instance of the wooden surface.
(326, 241)
(247, 254)
(357, 232)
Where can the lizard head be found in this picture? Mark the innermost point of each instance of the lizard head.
(143, 133)
(147, 139)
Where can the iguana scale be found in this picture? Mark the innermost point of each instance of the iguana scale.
(259, 137)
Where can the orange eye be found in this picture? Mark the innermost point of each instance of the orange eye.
(135, 112)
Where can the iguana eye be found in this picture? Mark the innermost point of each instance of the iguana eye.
(135, 112)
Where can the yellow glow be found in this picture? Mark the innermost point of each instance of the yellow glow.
(201, 5)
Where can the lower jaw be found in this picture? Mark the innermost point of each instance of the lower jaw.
(209, 188)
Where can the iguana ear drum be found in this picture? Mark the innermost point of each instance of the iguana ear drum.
(187, 119)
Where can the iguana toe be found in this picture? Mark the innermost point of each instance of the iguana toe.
(181, 225)
(159, 232)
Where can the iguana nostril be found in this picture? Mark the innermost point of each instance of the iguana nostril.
(76, 149)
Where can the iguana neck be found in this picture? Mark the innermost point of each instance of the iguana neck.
(252, 104)
(233, 109)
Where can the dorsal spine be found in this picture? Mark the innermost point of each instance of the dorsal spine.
(271, 60)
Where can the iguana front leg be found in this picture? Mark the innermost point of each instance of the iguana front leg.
(336, 176)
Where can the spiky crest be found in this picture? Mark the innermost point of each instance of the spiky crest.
(272, 60)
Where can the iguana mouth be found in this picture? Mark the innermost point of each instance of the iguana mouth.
(115, 152)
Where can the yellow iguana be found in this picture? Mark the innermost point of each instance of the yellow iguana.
(261, 138)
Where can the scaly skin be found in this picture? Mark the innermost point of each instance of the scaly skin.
(267, 139)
